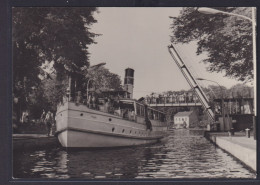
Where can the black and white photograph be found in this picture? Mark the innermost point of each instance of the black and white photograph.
(133, 93)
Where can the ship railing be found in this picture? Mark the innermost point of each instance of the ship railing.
(101, 105)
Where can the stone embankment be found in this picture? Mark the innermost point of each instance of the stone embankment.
(238, 145)
(23, 142)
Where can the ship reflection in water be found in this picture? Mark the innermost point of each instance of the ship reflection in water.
(183, 154)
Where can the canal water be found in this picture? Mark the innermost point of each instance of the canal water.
(183, 154)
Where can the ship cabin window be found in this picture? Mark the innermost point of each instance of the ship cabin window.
(150, 114)
(161, 117)
(127, 110)
(140, 110)
(155, 115)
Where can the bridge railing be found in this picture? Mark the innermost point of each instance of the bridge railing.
(172, 100)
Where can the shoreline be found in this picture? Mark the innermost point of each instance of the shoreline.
(238, 146)
(21, 142)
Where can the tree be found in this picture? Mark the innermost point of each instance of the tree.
(102, 79)
(57, 35)
(241, 90)
(215, 92)
(227, 40)
(36, 103)
(54, 91)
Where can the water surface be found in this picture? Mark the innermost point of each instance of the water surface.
(183, 154)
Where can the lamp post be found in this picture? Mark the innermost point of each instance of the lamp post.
(222, 97)
(215, 11)
(253, 21)
(88, 86)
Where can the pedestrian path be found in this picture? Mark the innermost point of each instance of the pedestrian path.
(240, 146)
(242, 141)
(29, 136)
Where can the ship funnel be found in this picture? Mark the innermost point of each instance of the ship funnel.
(129, 81)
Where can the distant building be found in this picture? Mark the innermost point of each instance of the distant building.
(185, 119)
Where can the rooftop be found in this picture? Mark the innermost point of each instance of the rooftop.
(185, 113)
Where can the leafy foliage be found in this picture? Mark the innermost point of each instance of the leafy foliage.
(103, 79)
(215, 91)
(236, 91)
(227, 40)
(57, 35)
(240, 90)
(51, 34)
(54, 90)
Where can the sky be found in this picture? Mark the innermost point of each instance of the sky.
(138, 38)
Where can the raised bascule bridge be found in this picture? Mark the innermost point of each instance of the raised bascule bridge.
(226, 113)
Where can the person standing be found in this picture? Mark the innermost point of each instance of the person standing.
(79, 98)
(42, 117)
(107, 105)
(93, 101)
(89, 101)
(48, 122)
(184, 124)
(116, 106)
(53, 126)
(25, 117)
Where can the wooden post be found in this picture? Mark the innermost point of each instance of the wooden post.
(254, 127)
(223, 111)
(71, 88)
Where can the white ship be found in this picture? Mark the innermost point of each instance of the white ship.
(129, 123)
(80, 126)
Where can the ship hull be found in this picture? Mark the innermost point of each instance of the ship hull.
(79, 126)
